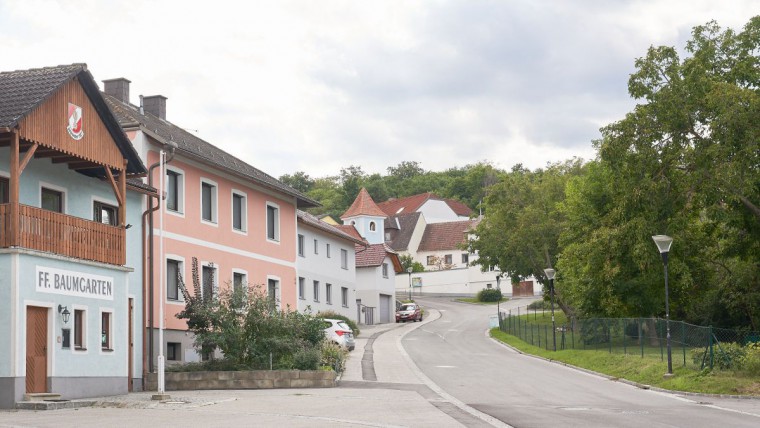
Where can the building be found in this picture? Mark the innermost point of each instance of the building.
(234, 220)
(326, 265)
(70, 250)
(434, 208)
(376, 264)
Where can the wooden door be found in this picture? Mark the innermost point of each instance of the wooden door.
(36, 349)
(131, 344)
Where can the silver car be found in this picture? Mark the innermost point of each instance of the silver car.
(339, 332)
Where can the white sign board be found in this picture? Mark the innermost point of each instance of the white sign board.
(71, 283)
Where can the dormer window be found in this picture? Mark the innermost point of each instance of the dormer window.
(372, 226)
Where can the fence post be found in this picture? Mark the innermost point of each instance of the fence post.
(659, 339)
(710, 339)
(572, 330)
(531, 336)
(609, 335)
(683, 341)
(641, 339)
(625, 350)
(546, 338)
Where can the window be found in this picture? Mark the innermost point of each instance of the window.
(301, 286)
(372, 226)
(173, 191)
(106, 214)
(448, 259)
(172, 279)
(273, 286)
(465, 258)
(52, 200)
(300, 246)
(238, 282)
(239, 213)
(327, 250)
(273, 223)
(207, 288)
(344, 258)
(344, 296)
(4, 189)
(328, 294)
(173, 351)
(79, 326)
(208, 201)
(316, 291)
(385, 270)
(430, 260)
(316, 246)
(105, 331)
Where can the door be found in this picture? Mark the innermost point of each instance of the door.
(523, 288)
(131, 346)
(36, 349)
(385, 308)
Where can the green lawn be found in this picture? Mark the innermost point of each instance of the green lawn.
(475, 301)
(648, 370)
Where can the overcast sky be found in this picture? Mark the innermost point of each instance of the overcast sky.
(317, 85)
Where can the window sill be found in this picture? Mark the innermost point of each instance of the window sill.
(106, 349)
(79, 348)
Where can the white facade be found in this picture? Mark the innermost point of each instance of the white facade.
(376, 288)
(456, 282)
(438, 211)
(323, 283)
(371, 228)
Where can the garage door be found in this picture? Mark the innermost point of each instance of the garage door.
(524, 288)
(385, 308)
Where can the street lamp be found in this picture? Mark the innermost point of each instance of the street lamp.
(409, 270)
(663, 244)
(498, 287)
(550, 275)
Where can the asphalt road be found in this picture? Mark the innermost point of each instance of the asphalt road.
(456, 354)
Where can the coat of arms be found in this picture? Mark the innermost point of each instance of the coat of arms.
(75, 122)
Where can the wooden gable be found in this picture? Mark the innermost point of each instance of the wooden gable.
(47, 125)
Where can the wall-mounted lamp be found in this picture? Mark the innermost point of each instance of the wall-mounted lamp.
(65, 314)
(127, 226)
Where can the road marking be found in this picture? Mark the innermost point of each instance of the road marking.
(446, 367)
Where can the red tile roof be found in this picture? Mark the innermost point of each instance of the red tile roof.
(445, 236)
(310, 220)
(350, 230)
(363, 205)
(374, 255)
(412, 203)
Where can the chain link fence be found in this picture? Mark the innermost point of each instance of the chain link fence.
(692, 346)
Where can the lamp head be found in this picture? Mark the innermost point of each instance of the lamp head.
(549, 273)
(663, 243)
(409, 270)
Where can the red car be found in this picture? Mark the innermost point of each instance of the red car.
(409, 312)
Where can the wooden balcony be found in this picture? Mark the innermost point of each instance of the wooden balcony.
(63, 234)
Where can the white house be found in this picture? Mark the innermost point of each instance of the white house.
(434, 208)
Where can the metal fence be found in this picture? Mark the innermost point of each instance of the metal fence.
(692, 346)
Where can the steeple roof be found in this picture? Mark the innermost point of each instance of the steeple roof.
(363, 205)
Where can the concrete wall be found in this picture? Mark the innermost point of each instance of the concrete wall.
(456, 282)
(255, 379)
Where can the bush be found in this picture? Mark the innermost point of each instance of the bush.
(336, 316)
(489, 295)
(333, 356)
(726, 356)
(542, 305)
(307, 359)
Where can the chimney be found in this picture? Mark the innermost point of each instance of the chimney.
(155, 105)
(118, 88)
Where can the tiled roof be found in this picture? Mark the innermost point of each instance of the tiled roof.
(363, 205)
(406, 224)
(22, 91)
(351, 230)
(190, 145)
(412, 203)
(310, 220)
(445, 236)
(373, 255)
(139, 184)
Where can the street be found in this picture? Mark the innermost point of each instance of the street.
(454, 352)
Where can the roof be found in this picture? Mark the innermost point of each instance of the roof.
(141, 185)
(363, 205)
(375, 254)
(191, 146)
(351, 230)
(406, 224)
(413, 203)
(22, 91)
(310, 220)
(445, 236)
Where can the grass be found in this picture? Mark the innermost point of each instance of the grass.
(648, 370)
(477, 302)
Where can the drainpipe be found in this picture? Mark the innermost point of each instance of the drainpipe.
(148, 265)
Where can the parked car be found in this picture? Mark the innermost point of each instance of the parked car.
(409, 312)
(339, 332)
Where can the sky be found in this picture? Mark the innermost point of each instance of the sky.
(316, 86)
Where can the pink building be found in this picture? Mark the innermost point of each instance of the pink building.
(238, 222)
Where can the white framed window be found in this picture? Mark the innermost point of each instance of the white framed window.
(80, 328)
(175, 190)
(343, 258)
(209, 199)
(173, 272)
(273, 222)
(316, 291)
(273, 292)
(316, 246)
(465, 258)
(344, 296)
(105, 211)
(328, 293)
(106, 330)
(52, 197)
(327, 250)
(301, 288)
(301, 244)
(430, 260)
(448, 259)
(239, 280)
(385, 270)
(239, 211)
(209, 280)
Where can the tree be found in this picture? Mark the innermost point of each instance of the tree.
(408, 262)
(299, 180)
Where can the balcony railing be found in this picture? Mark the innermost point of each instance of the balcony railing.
(63, 234)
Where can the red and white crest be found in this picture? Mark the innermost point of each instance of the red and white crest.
(75, 122)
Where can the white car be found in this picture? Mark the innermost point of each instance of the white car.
(339, 332)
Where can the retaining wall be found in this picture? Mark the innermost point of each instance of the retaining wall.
(255, 379)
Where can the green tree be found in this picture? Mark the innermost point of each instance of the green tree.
(408, 262)
(299, 180)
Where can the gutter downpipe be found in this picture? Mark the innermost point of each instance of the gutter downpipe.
(148, 270)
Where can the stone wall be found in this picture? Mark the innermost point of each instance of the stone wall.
(255, 379)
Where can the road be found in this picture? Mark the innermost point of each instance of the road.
(522, 391)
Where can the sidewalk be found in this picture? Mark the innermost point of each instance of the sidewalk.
(398, 396)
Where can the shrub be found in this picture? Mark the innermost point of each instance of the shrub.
(307, 359)
(333, 355)
(336, 316)
(489, 295)
(726, 356)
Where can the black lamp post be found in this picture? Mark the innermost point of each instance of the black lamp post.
(498, 287)
(550, 275)
(663, 244)
(409, 270)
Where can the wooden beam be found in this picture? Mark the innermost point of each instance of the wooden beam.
(27, 157)
(116, 191)
(13, 189)
(83, 165)
(66, 159)
(123, 191)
